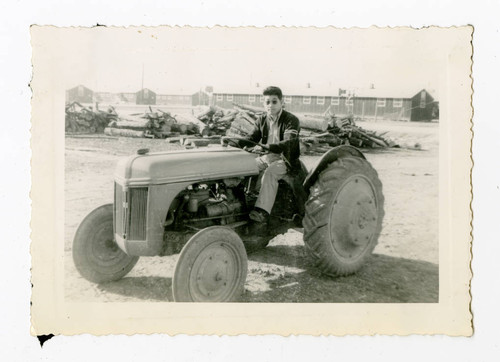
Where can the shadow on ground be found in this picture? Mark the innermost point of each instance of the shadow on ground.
(291, 277)
(285, 274)
(147, 288)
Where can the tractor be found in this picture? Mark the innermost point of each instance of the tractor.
(197, 203)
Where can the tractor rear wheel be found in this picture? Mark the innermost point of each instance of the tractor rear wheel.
(96, 255)
(344, 216)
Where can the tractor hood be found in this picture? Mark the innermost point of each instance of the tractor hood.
(185, 165)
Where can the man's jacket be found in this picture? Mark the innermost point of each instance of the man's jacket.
(289, 129)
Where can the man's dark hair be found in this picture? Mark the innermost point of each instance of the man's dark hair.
(273, 91)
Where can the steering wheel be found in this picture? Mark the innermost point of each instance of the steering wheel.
(226, 140)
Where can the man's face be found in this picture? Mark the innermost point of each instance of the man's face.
(272, 104)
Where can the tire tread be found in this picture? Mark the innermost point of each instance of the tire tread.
(316, 220)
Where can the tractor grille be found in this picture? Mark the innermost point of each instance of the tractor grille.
(119, 214)
(130, 212)
(138, 209)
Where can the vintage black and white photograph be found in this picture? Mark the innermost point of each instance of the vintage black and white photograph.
(246, 165)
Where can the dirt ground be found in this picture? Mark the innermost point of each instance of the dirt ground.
(404, 266)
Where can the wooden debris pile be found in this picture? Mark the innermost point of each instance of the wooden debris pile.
(155, 124)
(338, 131)
(231, 122)
(318, 133)
(84, 119)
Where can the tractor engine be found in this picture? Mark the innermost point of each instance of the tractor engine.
(201, 205)
(223, 202)
(211, 204)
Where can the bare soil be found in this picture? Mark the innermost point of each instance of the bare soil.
(404, 267)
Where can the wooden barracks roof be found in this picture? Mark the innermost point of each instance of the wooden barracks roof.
(328, 92)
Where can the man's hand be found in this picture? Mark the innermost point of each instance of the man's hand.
(258, 149)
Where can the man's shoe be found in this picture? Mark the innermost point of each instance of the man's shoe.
(259, 222)
(259, 216)
(257, 229)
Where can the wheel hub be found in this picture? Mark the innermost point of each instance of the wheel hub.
(212, 267)
(363, 223)
(354, 217)
(213, 273)
(104, 249)
(212, 270)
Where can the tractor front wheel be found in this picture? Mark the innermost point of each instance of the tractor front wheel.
(212, 267)
(96, 255)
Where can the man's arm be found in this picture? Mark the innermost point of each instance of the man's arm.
(255, 135)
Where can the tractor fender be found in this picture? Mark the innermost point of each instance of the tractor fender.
(329, 157)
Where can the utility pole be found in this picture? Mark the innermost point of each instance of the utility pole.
(142, 79)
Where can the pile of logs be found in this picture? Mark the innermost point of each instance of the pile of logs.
(80, 118)
(231, 122)
(337, 131)
(159, 124)
(318, 132)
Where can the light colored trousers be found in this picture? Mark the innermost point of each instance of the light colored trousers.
(274, 169)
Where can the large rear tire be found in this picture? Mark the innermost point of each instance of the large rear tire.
(344, 216)
(95, 253)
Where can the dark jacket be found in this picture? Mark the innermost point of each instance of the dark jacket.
(289, 129)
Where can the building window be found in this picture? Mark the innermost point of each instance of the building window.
(349, 102)
(422, 99)
(288, 99)
(397, 103)
(380, 102)
(320, 100)
(251, 98)
(146, 92)
(220, 97)
(335, 101)
(229, 97)
(306, 100)
(262, 98)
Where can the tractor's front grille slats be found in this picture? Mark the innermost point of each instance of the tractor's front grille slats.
(119, 210)
(130, 212)
(138, 211)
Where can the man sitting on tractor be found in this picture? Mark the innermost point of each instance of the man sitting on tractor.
(279, 131)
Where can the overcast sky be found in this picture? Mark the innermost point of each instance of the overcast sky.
(112, 59)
